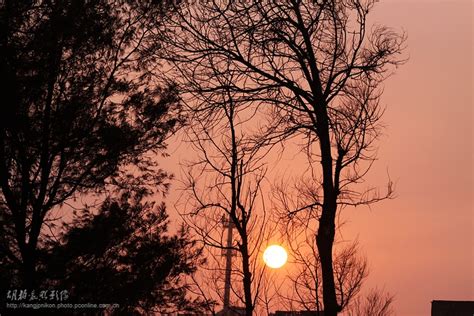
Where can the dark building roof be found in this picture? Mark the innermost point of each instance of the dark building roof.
(452, 308)
(232, 311)
(297, 313)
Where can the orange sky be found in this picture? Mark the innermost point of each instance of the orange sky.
(420, 246)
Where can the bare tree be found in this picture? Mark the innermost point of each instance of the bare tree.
(317, 68)
(224, 204)
(350, 268)
(376, 303)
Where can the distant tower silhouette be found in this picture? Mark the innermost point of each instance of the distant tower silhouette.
(227, 223)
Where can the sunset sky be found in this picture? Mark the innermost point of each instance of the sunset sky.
(259, 155)
(420, 245)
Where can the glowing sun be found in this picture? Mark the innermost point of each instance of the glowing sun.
(275, 256)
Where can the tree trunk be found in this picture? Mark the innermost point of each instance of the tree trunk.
(324, 242)
(29, 268)
(326, 230)
(247, 280)
(28, 252)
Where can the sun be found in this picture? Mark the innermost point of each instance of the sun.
(275, 256)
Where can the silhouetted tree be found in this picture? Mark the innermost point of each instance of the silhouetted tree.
(123, 254)
(78, 106)
(375, 302)
(350, 268)
(224, 186)
(350, 272)
(319, 67)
